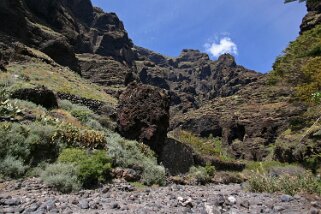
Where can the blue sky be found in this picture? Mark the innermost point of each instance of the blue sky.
(255, 31)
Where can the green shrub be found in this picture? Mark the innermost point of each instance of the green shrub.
(83, 113)
(91, 168)
(62, 177)
(205, 146)
(12, 167)
(313, 163)
(12, 141)
(210, 170)
(84, 138)
(31, 143)
(129, 154)
(66, 105)
(199, 175)
(153, 174)
(94, 124)
(288, 184)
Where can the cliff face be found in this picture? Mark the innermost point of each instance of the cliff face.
(192, 77)
(64, 28)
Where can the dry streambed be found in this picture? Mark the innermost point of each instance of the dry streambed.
(31, 196)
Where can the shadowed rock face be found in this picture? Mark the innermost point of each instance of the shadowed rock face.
(40, 96)
(62, 28)
(143, 115)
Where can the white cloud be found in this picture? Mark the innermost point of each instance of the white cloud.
(224, 45)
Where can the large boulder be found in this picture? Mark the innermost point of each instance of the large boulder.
(177, 157)
(60, 51)
(40, 96)
(143, 115)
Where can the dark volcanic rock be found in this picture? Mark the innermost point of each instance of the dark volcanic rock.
(313, 17)
(247, 122)
(143, 115)
(103, 70)
(192, 76)
(40, 96)
(176, 157)
(62, 28)
(60, 51)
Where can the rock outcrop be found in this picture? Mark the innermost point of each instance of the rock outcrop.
(40, 96)
(248, 122)
(63, 28)
(143, 115)
(192, 78)
(313, 17)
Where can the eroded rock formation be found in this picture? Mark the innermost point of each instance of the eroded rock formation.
(143, 115)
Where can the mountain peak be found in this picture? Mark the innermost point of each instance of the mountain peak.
(227, 59)
(192, 55)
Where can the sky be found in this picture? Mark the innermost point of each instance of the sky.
(254, 31)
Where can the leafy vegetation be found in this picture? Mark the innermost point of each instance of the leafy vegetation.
(199, 175)
(70, 132)
(204, 146)
(12, 167)
(32, 74)
(61, 176)
(300, 64)
(130, 154)
(305, 183)
(91, 168)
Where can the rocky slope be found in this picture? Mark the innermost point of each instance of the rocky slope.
(63, 28)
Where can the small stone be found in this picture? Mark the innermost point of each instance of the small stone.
(211, 209)
(12, 202)
(314, 211)
(232, 199)
(220, 201)
(316, 204)
(9, 210)
(245, 204)
(83, 204)
(278, 208)
(115, 206)
(50, 204)
(185, 202)
(286, 198)
(33, 207)
(105, 189)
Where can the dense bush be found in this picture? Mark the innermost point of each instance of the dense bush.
(198, 175)
(12, 141)
(74, 136)
(62, 177)
(31, 143)
(153, 174)
(91, 167)
(129, 154)
(289, 184)
(82, 113)
(12, 168)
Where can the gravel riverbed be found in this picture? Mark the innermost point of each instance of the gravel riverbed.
(31, 196)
